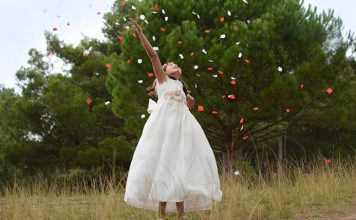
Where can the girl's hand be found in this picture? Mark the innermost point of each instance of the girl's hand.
(190, 101)
(138, 28)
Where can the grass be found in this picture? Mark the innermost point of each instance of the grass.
(305, 192)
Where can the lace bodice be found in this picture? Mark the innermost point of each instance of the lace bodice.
(171, 89)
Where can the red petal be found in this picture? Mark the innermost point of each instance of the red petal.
(88, 101)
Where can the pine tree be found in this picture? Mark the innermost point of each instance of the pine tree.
(263, 65)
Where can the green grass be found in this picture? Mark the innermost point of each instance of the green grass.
(305, 192)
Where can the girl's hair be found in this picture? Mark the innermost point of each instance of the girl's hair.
(152, 87)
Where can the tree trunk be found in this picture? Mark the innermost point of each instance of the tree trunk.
(228, 152)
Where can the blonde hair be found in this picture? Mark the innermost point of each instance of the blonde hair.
(152, 87)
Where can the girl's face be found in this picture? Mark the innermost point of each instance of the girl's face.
(174, 70)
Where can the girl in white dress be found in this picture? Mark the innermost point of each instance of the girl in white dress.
(173, 166)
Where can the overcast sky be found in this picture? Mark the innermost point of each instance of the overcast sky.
(24, 22)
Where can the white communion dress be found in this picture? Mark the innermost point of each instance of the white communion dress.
(173, 160)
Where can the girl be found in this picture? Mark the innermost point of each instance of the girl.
(173, 166)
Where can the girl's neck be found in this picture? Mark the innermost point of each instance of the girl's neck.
(172, 77)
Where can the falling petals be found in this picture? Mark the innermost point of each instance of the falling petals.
(232, 97)
(88, 101)
(241, 120)
(86, 53)
(200, 108)
(154, 8)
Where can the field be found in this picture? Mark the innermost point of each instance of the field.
(314, 191)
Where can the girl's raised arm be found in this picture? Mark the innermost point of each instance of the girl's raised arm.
(156, 63)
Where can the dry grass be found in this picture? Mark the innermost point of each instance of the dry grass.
(303, 193)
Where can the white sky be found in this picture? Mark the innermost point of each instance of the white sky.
(23, 24)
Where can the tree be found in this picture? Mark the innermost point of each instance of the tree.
(262, 64)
